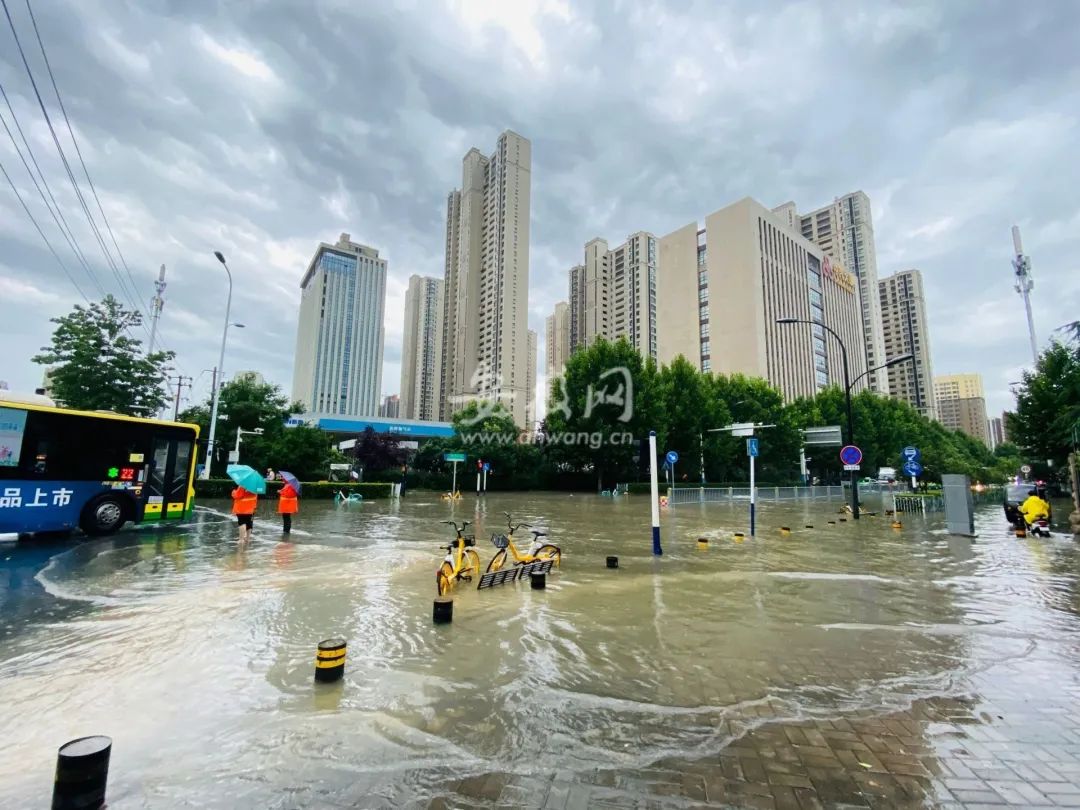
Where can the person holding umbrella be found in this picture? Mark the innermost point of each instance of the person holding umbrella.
(288, 504)
(249, 485)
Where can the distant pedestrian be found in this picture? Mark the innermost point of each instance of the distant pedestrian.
(288, 505)
(244, 504)
(270, 474)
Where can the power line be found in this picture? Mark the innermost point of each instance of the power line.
(57, 214)
(67, 167)
(67, 272)
(78, 151)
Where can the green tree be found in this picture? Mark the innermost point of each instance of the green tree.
(1047, 415)
(98, 365)
(245, 403)
(607, 399)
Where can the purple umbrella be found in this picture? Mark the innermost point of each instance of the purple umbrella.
(290, 479)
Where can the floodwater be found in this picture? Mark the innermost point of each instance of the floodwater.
(196, 656)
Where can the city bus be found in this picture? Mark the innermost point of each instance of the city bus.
(62, 469)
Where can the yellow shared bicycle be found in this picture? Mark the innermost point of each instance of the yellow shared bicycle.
(461, 560)
(538, 551)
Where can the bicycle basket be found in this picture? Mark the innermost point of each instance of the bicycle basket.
(500, 540)
(470, 540)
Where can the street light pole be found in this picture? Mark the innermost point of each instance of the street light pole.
(847, 398)
(848, 383)
(221, 372)
(701, 447)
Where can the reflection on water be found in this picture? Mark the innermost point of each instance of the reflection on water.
(196, 655)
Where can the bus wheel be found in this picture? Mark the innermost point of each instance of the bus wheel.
(103, 516)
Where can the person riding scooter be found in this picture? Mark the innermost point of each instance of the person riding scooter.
(1034, 508)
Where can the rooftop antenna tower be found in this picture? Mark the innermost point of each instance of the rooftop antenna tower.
(1024, 284)
(157, 302)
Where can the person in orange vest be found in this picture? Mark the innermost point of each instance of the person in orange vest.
(243, 507)
(287, 506)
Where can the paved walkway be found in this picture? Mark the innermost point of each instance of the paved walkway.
(947, 753)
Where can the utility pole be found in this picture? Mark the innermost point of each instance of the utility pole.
(180, 384)
(156, 304)
(1024, 285)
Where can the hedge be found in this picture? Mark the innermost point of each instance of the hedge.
(313, 490)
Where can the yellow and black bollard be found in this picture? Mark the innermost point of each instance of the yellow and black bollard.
(843, 520)
(330, 660)
(443, 610)
(738, 537)
(785, 530)
(82, 772)
(538, 581)
(897, 524)
(832, 522)
(809, 525)
(702, 543)
(612, 562)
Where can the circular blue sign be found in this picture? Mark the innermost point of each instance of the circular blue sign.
(850, 454)
(672, 456)
(913, 468)
(911, 454)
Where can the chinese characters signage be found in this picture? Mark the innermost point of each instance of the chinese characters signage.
(12, 425)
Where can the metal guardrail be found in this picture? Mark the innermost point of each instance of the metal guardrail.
(726, 494)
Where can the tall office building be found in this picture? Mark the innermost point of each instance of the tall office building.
(615, 293)
(740, 273)
(339, 339)
(557, 341)
(391, 406)
(997, 432)
(420, 350)
(961, 404)
(906, 330)
(530, 382)
(844, 229)
(486, 284)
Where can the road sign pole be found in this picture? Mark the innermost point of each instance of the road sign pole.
(453, 489)
(753, 496)
(654, 491)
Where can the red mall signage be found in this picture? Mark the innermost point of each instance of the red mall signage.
(838, 274)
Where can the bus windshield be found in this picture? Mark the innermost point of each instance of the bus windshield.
(62, 469)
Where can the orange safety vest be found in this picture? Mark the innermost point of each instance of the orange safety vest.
(287, 504)
(244, 502)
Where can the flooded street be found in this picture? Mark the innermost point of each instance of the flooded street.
(851, 663)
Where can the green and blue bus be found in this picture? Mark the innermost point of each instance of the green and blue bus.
(63, 469)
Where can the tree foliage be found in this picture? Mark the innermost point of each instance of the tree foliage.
(98, 365)
(245, 403)
(1047, 416)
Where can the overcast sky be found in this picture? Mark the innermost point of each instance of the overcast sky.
(262, 128)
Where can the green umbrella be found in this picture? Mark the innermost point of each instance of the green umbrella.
(247, 478)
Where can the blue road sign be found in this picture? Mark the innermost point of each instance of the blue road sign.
(850, 454)
(751, 447)
(913, 468)
(672, 457)
(911, 454)
(487, 467)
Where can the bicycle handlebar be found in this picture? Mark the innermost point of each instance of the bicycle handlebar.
(510, 523)
(458, 529)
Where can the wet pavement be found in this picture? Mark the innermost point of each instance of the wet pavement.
(845, 665)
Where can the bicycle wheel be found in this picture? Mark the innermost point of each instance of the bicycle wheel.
(443, 579)
(497, 561)
(550, 552)
(472, 565)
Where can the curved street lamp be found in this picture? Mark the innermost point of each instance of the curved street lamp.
(221, 372)
(848, 383)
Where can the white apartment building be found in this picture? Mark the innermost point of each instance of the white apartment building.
(844, 229)
(339, 339)
(421, 353)
(906, 330)
(613, 294)
(530, 402)
(486, 282)
(740, 273)
(557, 340)
(961, 404)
